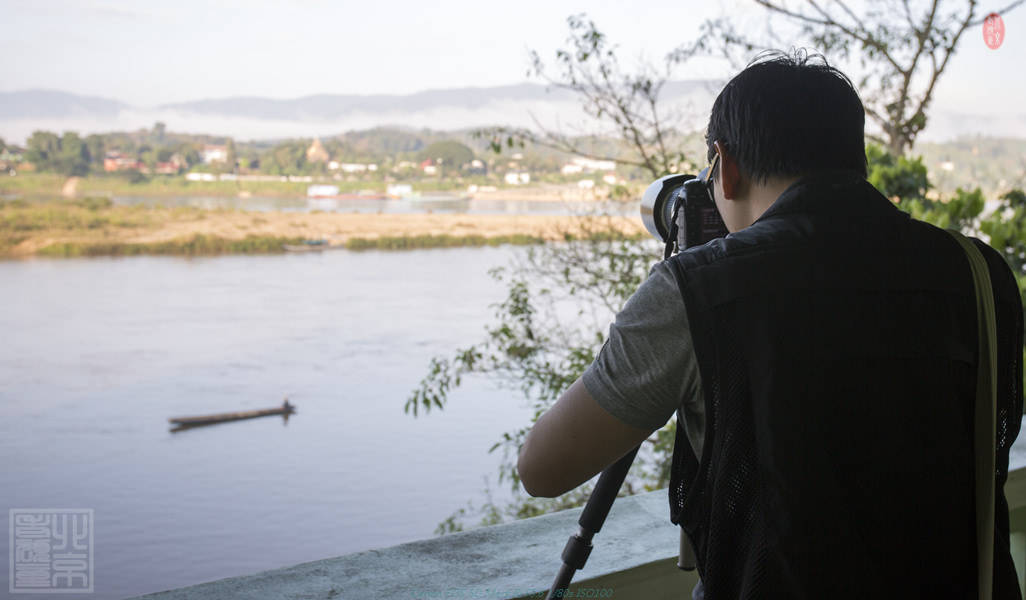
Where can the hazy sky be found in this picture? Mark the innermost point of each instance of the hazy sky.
(148, 52)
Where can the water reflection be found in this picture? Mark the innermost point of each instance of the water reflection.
(98, 353)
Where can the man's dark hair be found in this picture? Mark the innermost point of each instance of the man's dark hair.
(789, 116)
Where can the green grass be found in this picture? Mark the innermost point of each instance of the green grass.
(90, 213)
(94, 226)
(197, 245)
(32, 183)
(35, 184)
(98, 184)
(50, 184)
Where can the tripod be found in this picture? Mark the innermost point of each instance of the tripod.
(578, 547)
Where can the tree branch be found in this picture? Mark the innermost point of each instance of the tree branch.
(1000, 11)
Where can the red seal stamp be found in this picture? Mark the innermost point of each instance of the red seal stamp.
(993, 31)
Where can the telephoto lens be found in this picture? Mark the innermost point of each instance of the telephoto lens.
(658, 204)
(679, 211)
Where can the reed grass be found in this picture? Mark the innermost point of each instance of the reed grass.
(197, 245)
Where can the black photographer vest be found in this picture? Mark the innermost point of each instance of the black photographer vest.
(836, 341)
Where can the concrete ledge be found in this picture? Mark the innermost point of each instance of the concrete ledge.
(635, 556)
(636, 549)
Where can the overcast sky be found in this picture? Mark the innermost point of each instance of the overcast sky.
(147, 52)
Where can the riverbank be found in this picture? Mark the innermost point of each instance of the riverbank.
(96, 227)
(35, 186)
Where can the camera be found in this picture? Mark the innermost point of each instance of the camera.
(679, 210)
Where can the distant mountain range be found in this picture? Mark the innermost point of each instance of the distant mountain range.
(47, 103)
(520, 105)
(323, 114)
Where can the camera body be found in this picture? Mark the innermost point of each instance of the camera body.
(679, 211)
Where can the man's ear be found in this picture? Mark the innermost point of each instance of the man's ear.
(733, 186)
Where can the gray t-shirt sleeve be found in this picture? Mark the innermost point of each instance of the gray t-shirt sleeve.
(647, 367)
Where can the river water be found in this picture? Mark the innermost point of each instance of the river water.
(98, 353)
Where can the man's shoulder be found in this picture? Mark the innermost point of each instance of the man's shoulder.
(656, 292)
(1006, 288)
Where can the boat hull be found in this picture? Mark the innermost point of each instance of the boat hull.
(199, 421)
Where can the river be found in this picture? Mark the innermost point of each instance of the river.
(438, 205)
(98, 353)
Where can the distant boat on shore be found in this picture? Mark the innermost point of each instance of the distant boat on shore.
(405, 191)
(322, 191)
(327, 197)
(310, 246)
(436, 197)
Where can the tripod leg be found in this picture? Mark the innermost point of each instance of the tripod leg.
(578, 547)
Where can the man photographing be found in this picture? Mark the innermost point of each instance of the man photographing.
(822, 363)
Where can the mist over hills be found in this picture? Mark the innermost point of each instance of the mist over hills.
(51, 103)
(518, 105)
(249, 118)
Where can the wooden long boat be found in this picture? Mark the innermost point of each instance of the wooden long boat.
(285, 409)
(313, 246)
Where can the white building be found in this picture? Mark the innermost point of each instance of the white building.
(588, 165)
(214, 154)
(518, 178)
(352, 167)
(398, 190)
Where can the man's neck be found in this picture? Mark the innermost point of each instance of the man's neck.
(762, 196)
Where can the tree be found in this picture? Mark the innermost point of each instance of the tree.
(42, 149)
(189, 153)
(529, 348)
(68, 154)
(624, 101)
(148, 156)
(450, 154)
(73, 158)
(903, 50)
(533, 349)
(285, 158)
(159, 133)
(97, 147)
(232, 158)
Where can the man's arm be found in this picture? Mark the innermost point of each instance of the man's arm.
(573, 441)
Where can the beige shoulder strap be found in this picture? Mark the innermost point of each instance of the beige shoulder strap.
(985, 415)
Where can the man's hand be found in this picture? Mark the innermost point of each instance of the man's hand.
(573, 441)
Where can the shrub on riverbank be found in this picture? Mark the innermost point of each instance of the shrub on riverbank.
(197, 245)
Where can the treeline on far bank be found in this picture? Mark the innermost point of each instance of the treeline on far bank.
(378, 154)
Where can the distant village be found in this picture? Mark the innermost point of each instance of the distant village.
(384, 156)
